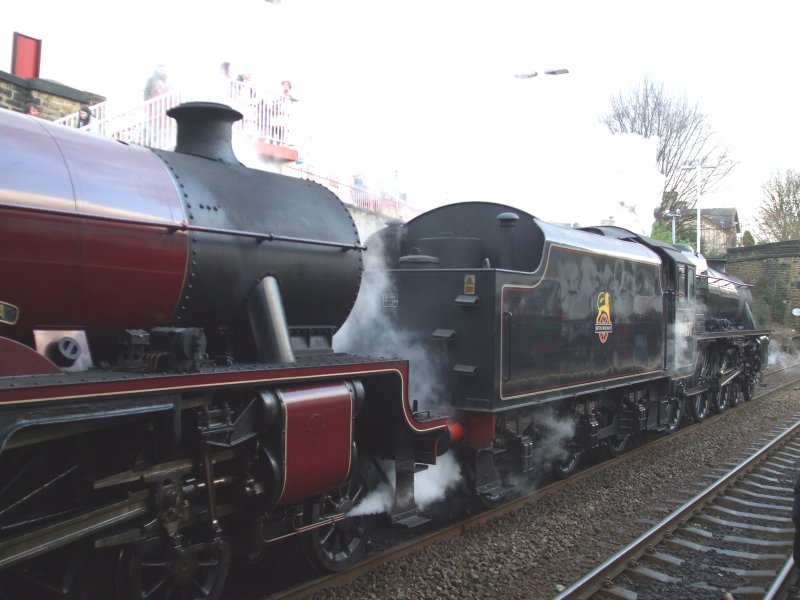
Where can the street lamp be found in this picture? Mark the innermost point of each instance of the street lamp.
(673, 215)
(533, 74)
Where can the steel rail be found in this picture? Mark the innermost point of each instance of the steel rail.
(786, 578)
(600, 577)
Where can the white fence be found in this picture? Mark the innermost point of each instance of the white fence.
(266, 116)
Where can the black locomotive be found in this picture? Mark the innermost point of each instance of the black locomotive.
(551, 341)
(171, 397)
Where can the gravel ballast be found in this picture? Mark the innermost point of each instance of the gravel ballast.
(538, 550)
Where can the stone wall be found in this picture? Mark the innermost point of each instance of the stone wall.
(55, 100)
(774, 271)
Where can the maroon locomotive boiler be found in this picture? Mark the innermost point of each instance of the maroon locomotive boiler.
(169, 395)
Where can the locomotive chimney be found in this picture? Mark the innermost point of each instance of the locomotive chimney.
(507, 254)
(392, 243)
(204, 129)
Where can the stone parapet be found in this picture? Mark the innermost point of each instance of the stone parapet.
(55, 99)
(774, 272)
(761, 251)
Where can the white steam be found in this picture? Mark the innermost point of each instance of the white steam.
(780, 359)
(378, 501)
(372, 329)
(553, 433)
(430, 485)
(556, 431)
(683, 335)
(433, 483)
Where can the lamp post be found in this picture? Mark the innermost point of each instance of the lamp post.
(673, 215)
(533, 74)
(698, 166)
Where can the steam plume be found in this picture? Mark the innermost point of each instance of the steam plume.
(430, 485)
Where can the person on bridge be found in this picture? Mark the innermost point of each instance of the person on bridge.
(160, 74)
(85, 117)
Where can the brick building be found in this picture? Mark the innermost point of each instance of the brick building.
(55, 100)
(719, 229)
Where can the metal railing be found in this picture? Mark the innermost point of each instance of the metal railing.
(265, 116)
(358, 196)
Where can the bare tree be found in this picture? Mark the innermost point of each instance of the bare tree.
(685, 138)
(778, 217)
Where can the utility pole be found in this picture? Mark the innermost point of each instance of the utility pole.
(697, 168)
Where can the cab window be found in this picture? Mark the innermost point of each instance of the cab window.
(684, 288)
(680, 284)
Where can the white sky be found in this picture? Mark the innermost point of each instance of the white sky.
(426, 88)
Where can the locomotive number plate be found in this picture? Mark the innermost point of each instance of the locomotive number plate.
(390, 299)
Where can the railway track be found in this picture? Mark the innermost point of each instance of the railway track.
(733, 537)
(310, 588)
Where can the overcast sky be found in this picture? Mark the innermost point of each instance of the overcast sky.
(427, 88)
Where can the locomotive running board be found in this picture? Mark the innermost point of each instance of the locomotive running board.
(49, 538)
(736, 333)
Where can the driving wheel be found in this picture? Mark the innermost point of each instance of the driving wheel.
(567, 464)
(749, 389)
(151, 570)
(617, 444)
(700, 404)
(335, 546)
(675, 414)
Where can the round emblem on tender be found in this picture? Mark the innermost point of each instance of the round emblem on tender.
(602, 324)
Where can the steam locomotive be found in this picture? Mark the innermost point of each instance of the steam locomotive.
(169, 394)
(172, 398)
(553, 341)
